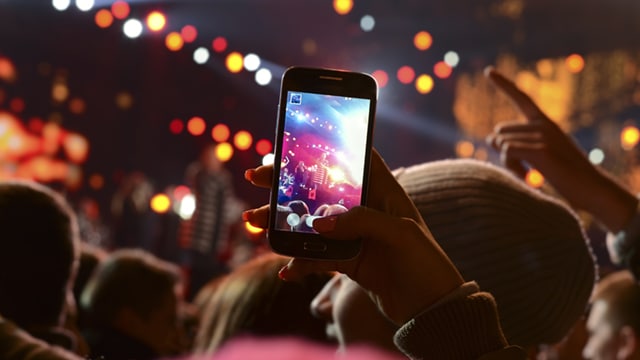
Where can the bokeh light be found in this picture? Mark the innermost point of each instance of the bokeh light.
(534, 178)
(201, 55)
(268, 159)
(629, 137)
(596, 156)
(422, 40)
(574, 63)
(196, 126)
(234, 62)
(224, 151)
(381, 77)
(76, 147)
(156, 21)
(104, 18)
(251, 62)
(243, 140)
(452, 58)
(7, 69)
(17, 105)
(174, 41)
(219, 44)
(367, 23)
(96, 181)
(160, 203)
(132, 28)
(85, 5)
(465, 149)
(424, 84)
(176, 126)
(263, 77)
(342, 7)
(406, 74)
(252, 229)
(124, 100)
(77, 106)
(189, 33)
(263, 147)
(220, 133)
(120, 9)
(442, 70)
(61, 5)
(59, 92)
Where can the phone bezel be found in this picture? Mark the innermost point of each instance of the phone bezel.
(322, 81)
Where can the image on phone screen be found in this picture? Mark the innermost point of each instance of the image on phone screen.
(323, 158)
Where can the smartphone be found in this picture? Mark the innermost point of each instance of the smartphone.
(322, 157)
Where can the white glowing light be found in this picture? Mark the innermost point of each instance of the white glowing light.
(251, 62)
(201, 55)
(263, 77)
(132, 28)
(268, 159)
(451, 58)
(596, 156)
(367, 23)
(85, 5)
(61, 5)
(187, 206)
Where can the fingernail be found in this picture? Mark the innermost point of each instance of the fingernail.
(248, 174)
(487, 70)
(325, 224)
(246, 214)
(282, 274)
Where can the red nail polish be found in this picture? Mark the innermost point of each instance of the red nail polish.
(245, 215)
(282, 274)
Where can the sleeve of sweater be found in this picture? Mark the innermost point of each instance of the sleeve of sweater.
(462, 325)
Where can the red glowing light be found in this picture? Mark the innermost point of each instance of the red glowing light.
(263, 147)
(176, 126)
(219, 44)
(181, 191)
(189, 33)
(442, 70)
(406, 74)
(120, 9)
(17, 105)
(381, 77)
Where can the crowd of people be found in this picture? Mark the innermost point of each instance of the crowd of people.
(460, 259)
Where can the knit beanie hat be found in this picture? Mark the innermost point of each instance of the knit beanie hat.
(526, 248)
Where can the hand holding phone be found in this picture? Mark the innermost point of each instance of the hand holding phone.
(322, 156)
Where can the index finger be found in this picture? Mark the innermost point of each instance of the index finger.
(519, 98)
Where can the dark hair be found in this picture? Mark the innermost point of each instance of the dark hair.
(39, 249)
(129, 278)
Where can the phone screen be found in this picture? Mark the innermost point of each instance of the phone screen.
(324, 149)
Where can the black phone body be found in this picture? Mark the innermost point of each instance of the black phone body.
(322, 158)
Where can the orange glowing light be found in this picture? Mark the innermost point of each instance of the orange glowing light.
(35, 125)
(220, 133)
(424, 84)
(442, 70)
(534, 178)
(174, 41)
(181, 191)
(219, 44)
(104, 18)
(381, 77)
(59, 92)
(160, 203)
(189, 33)
(76, 147)
(252, 229)
(77, 106)
(575, 63)
(406, 74)
(120, 9)
(234, 62)
(7, 69)
(263, 147)
(196, 126)
(465, 149)
(224, 151)
(243, 140)
(96, 181)
(156, 21)
(422, 40)
(176, 126)
(342, 7)
(629, 137)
